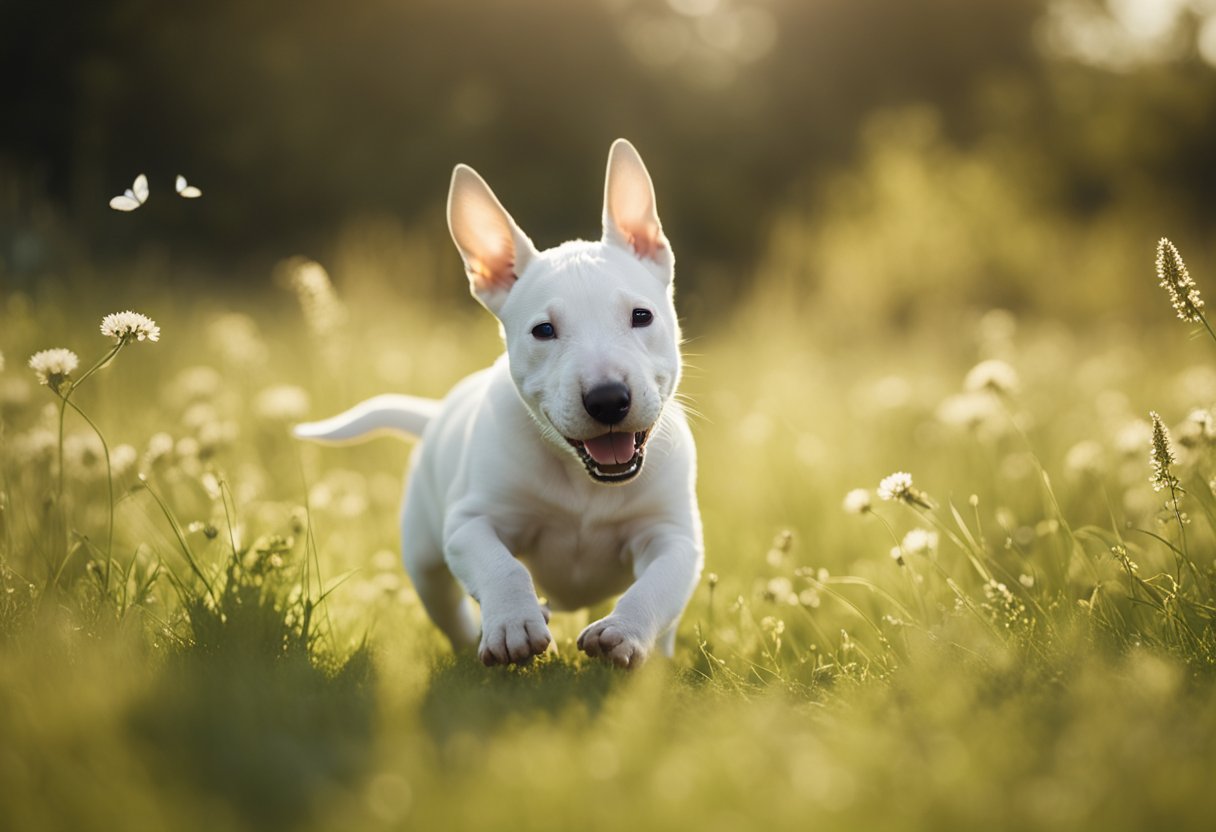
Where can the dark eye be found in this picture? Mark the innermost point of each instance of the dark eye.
(642, 317)
(544, 332)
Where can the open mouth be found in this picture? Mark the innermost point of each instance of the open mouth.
(612, 457)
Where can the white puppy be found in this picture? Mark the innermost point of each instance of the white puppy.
(567, 463)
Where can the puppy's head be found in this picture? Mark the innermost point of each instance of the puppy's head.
(591, 330)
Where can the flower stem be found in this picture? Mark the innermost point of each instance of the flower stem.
(110, 484)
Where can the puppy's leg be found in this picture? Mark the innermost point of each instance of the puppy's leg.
(667, 571)
(446, 603)
(513, 626)
(667, 642)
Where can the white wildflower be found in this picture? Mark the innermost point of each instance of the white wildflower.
(1204, 423)
(160, 445)
(54, 367)
(35, 446)
(780, 590)
(920, 542)
(971, 411)
(1133, 436)
(858, 501)
(122, 459)
(237, 339)
(84, 456)
(1085, 458)
(282, 403)
(1162, 456)
(993, 376)
(14, 392)
(195, 383)
(898, 487)
(216, 435)
(323, 311)
(129, 326)
(895, 486)
(1173, 276)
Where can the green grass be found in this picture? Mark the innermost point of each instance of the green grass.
(247, 652)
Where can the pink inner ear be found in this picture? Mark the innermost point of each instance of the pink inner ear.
(646, 241)
(487, 275)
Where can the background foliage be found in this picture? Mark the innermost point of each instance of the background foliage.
(870, 202)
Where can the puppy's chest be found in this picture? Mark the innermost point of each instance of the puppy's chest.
(575, 560)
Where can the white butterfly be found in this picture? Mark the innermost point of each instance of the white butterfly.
(134, 196)
(188, 191)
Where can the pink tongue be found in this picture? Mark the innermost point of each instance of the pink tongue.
(611, 448)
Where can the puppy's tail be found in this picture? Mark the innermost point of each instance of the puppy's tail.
(381, 415)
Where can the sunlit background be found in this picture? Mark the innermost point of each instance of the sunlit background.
(911, 235)
(891, 156)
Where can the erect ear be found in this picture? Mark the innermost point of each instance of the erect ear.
(631, 219)
(494, 250)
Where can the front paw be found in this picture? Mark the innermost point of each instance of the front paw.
(515, 637)
(615, 640)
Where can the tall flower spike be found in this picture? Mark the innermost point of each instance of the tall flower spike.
(1162, 456)
(1175, 279)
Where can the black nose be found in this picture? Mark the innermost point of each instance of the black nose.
(608, 403)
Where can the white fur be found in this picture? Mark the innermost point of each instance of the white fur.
(498, 503)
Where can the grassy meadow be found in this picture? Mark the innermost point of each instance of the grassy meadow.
(213, 628)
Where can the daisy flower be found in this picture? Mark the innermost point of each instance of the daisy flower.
(129, 326)
(994, 376)
(53, 367)
(857, 501)
(898, 487)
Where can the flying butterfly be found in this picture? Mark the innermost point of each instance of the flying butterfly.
(135, 196)
(185, 189)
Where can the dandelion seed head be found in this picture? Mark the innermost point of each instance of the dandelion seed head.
(992, 376)
(1173, 276)
(129, 326)
(858, 501)
(53, 367)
